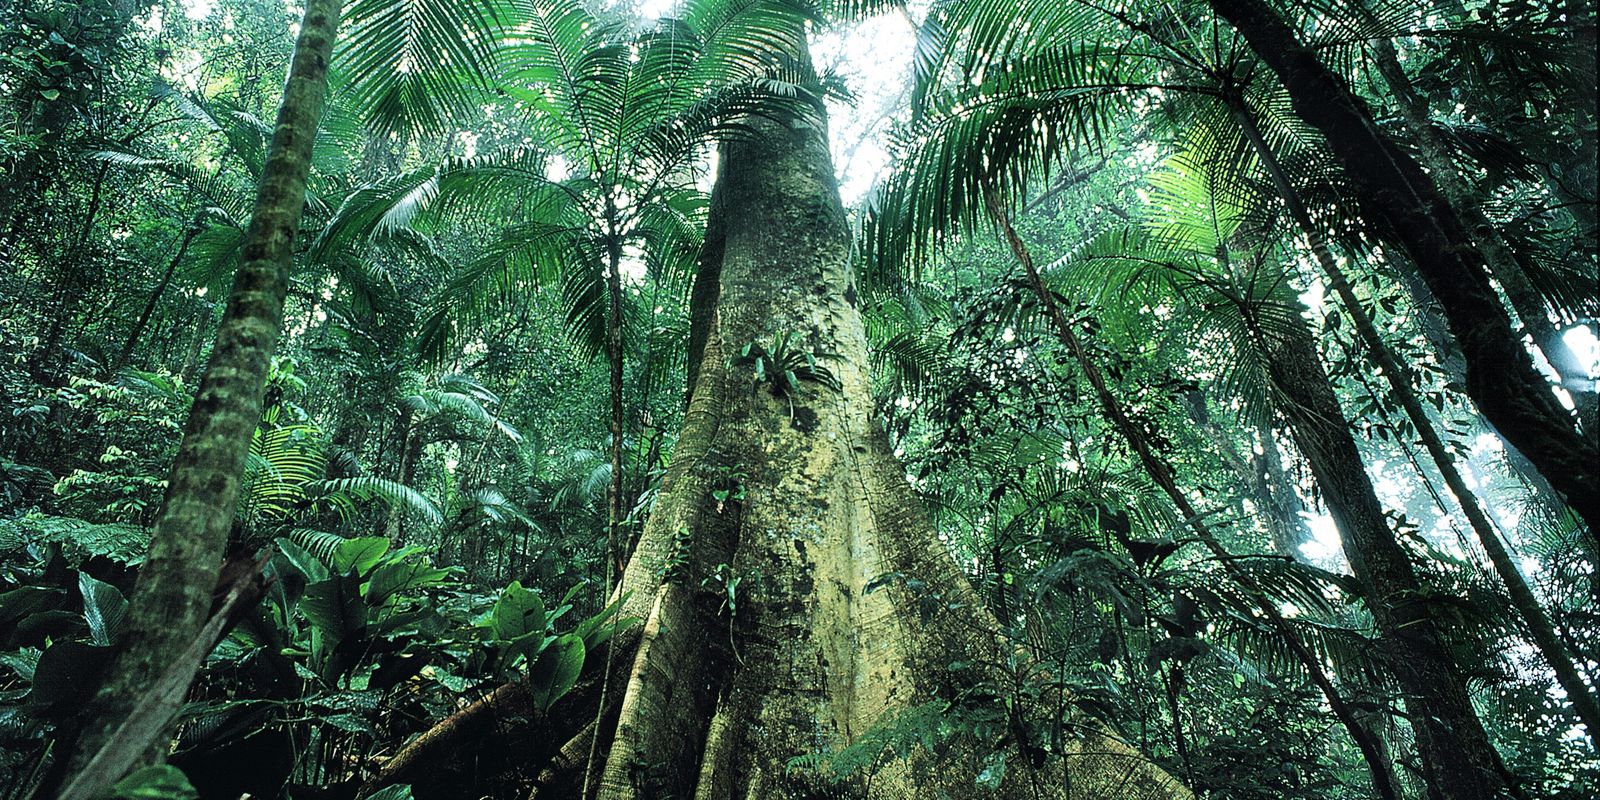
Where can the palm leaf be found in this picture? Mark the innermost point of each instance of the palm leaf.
(420, 65)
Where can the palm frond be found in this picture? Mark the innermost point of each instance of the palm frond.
(282, 465)
(419, 65)
(1013, 126)
(346, 494)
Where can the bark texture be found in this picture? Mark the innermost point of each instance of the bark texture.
(174, 593)
(1397, 195)
(1507, 266)
(767, 634)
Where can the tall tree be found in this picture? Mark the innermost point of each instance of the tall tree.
(169, 611)
(820, 513)
(1395, 192)
(794, 595)
(991, 134)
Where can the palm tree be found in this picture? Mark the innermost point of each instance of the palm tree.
(1012, 116)
(625, 116)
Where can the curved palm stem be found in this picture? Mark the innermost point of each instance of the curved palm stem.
(168, 613)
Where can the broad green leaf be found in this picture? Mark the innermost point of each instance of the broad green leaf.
(360, 555)
(517, 613)
(557, 670)
(104, 608)
(300, 559)
(25, 601)
(350, 723)
(161, 782)
(334, 606)
(23, 662)
(600, 627)
(393, 577)
(64, 669)
(388, 624)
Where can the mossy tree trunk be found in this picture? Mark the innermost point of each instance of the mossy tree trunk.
(171, 604)
(769, 629)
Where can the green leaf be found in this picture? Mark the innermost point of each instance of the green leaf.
(350, 723)
(419, 64)
(600, 627)
(400, 792)
(557, 670)
(163, 782)
(64, 669)
(518, 612)
(360, 555)
(50, 94)
(104, 608)
(301, 560)
(25, 601)
(23, 662)
(334, 606)
(394, 577)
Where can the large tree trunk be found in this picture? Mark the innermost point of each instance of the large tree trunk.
(171, 602)
(1396, 194)
(764, 638)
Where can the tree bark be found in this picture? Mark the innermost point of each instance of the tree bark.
(1502, 260)
(1397, 195)
(170, 602)
(769, 632)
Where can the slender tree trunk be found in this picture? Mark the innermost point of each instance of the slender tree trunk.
(1458, 761)
(1261, 475)
(155, 299)
(1436, 330)
(1398, 195)
(813, 649)
(1503, 262)
(614, 494)
(614, 510)
(1543, 633)
(170, 604)
(1372, 751)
